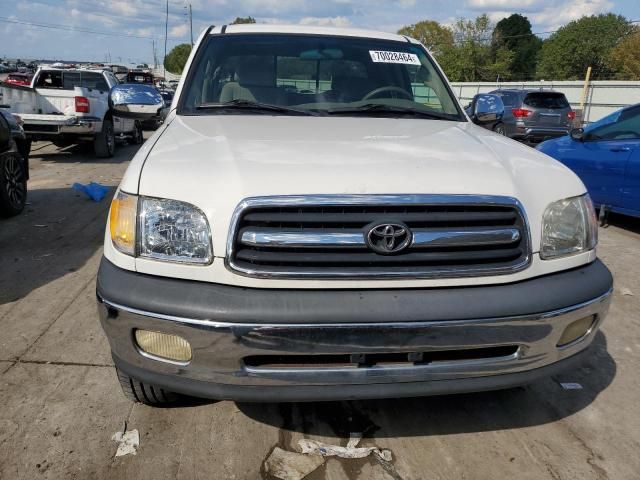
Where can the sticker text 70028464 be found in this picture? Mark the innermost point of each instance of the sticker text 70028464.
(380, 56)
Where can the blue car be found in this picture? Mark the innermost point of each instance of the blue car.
(606, 156)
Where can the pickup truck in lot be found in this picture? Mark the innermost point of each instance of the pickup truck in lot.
(303, 226)
(67, 106)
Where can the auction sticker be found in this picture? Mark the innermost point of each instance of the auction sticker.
(380, 56)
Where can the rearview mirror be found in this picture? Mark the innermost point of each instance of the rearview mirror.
(486, 108)
(577, 134)
(135, 101)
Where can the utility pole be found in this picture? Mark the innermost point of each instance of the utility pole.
(155, 54)
(166, 32)
(191, 23)
(585, 91)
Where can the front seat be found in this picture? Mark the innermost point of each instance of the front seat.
(256, 82)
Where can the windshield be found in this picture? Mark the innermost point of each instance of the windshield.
(546, 100)
(314, 73)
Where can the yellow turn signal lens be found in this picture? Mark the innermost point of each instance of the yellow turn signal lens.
(576, 330)
(164, 345)
(122, 222)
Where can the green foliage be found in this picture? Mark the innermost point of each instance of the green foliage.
(473, 50)
(624, 58)
(471, 58)
(585, 42)
(431, 34)
(240, 20)
(514, 33)
(177, 58)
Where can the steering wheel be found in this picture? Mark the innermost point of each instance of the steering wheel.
(378, 91)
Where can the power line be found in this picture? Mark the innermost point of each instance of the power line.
(71, 28)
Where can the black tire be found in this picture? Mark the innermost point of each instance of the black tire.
(136, 137)
(24, 147)
(499, 129)
(139, 392)
(13, 184)
(105, 141)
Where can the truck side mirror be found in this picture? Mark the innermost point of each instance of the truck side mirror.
(137, 101)
(486, 108)
(577, 134)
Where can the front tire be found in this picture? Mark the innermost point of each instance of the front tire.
(13, 185)
(136, 136)
(105, 141)
(499, 129)
(147, 394)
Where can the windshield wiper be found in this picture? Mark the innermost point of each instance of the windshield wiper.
(255, 106)
(392, 109)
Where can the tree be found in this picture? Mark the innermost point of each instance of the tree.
(471, 58)
(240, 20)
(514, 33)
(175, 61)
(624, 58)
(585, 42)
(431, 34)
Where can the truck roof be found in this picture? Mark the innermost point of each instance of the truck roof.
(63, 69)
(526, 90)
(309, 29)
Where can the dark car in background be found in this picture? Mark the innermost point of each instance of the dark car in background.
(154, 123)
(14, 167)
(139, 77)
(533, 116)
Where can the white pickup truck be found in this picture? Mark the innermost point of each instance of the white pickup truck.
(67, 106)
(319, 219)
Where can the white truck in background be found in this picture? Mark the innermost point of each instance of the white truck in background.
(70, 106)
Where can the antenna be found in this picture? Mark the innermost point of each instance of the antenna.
(166, 31)
(191, 23)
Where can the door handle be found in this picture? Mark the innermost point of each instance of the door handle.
(619, 149)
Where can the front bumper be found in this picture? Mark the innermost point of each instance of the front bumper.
(229, 327)
(539, 134)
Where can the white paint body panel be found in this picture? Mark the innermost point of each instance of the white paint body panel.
(216, 161)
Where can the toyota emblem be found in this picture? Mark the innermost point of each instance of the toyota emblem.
(388, 238)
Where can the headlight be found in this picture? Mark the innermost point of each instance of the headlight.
(568, 227)
(166, 230)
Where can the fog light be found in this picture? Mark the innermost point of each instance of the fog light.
(576, 330)
(164, 345)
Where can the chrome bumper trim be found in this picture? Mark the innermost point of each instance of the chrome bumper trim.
(219, 347)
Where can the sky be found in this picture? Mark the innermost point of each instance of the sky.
(125, 31)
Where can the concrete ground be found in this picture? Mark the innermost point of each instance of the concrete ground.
(60, 402)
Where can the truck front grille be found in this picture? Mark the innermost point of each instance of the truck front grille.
(410, 236)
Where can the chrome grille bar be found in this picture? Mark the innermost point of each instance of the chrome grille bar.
(273, 238)
(465, 238)
(421, 238)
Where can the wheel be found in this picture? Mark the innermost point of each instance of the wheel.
(13, 184)
(139, 392)
(24, 147)
(105, 142)
(136, 136)
(499, 129)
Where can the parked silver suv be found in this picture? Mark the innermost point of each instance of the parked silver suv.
(534, 115)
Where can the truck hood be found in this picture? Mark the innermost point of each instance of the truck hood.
(215, 161)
